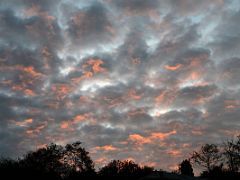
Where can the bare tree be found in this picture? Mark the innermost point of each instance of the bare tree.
(231, 152)
(207, 157)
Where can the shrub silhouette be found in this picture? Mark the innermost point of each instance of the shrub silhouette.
(185, 168)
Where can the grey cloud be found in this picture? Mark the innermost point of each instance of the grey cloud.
(230, 72)
(226, 36)
(90, 26)
(197, 92)
(137, 6)
(29, 31)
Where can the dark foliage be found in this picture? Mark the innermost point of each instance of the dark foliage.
(73, 162)
(185, 168)
(54, 161)
(219, 173)
(124, 170)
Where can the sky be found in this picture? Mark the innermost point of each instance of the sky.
(142, 80)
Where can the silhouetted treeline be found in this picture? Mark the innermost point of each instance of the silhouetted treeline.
(219, 161)
(72, 161)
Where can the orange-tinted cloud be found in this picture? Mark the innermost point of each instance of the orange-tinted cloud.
(80, 118)
(138, 139)
(29, 92)
(113, 102)
(166, 98)
(231, 104)
(25, 91)
(162, 136)
(25, 122)
(102, 160)
(27, 78)
(174, 152)
(31, 71)
(195, 75)
(96, 65)
(61, 90)
(89, 69)
(173, 68)
(65, 125)
(173, 167)
(77, 119)
(132, 94)
(106, 148)
(40, 146)
(86, 75)
(28, 70)
(36, 130)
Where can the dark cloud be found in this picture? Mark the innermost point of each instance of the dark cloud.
(137, 6)
(229, 70)
(226, 36)
(90, 26)
(196, 92)
(34, 30)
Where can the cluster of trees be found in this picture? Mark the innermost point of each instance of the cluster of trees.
(219, 161)
(69, 162)
(73, 162)
(54, 161)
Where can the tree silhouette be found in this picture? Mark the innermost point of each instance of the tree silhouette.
(77, 159)
(44, 160)
(124, 169)
(58, 162)
(231, 153)
(73, 162)
(207, 157)
(130, 168)
(185, 168)
(111, 169)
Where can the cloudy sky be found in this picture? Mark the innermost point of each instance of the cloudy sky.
(145, 80)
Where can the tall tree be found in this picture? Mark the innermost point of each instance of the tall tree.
(185, 168)
(77, 158)
(207, 157)
(231, 152)
(59, 161)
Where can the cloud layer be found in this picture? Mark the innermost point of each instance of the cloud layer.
(144, 80)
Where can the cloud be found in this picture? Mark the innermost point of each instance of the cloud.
(136, 6)
(159, 78)
(90, 26)
(106, 148)
(229, 70)
(226, 42)
(198, 94)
